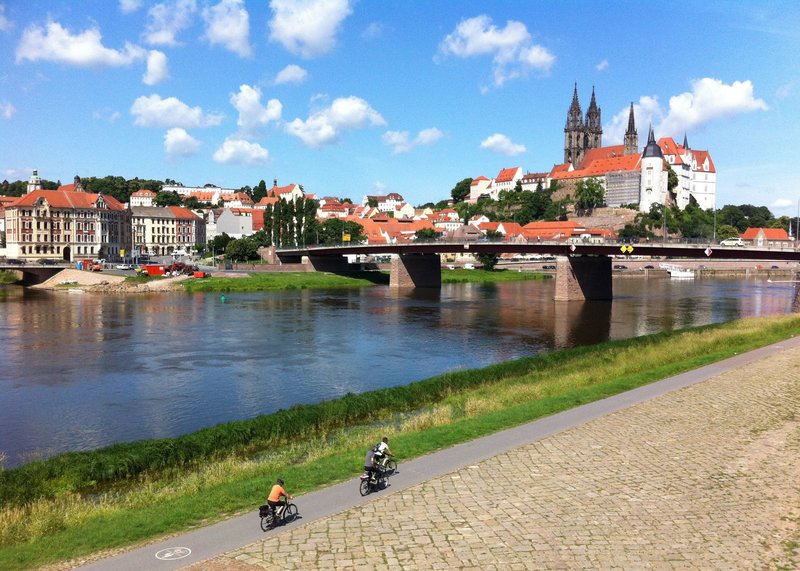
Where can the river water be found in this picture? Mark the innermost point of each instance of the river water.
(81, 371)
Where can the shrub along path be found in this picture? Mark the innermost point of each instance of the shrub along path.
(703, 477)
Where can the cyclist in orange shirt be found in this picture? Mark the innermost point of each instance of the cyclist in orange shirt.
(276, 493)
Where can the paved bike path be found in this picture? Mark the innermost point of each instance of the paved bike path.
(207, 542)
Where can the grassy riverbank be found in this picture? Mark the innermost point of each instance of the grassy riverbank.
(77, 504)
(266, 281)
(8, 277)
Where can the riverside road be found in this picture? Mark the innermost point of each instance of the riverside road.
(698, 471)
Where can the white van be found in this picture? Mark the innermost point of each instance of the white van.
(469, 266)
(732, 242)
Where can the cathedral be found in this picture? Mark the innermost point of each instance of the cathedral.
(580, 135)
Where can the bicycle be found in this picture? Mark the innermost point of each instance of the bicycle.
(372, 482)
(283, 514)
(389, 465)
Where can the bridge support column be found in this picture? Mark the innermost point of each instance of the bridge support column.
(583, 278)
(416, 270)
(796, 302)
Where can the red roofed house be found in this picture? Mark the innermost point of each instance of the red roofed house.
(289, 192)
(159, 231)
(67, 224)
(768, 237)
(479, 187)
(506, 180)
(142, 197)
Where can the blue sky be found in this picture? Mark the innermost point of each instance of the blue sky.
(350, 97)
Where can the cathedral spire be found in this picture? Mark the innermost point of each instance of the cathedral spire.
(652, 149)
(574, 132)
(594, 125)
(631, 135)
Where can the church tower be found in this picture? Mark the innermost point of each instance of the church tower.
(631, 136)
(35, 182)
(574, 142)
(594, 126)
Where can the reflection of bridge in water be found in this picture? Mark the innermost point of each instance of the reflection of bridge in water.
(583, 271)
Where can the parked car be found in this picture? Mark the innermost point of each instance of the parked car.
(732, 242)
(124, 267)
(469, 266)
(549, 267)
(620, 267)
(15, 262)
(649, 267)
(48, 262)
(775, 268)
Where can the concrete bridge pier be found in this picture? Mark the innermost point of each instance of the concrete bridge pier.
(416, 270)
(583, 278)
(796, 302)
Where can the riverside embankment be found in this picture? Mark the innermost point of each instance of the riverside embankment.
(316, 445)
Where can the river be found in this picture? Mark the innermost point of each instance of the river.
(81, 371)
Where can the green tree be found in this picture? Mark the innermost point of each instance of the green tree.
(169, 198)
(241, 250)
(489, 260)
(426, 235)
(372, 202)
(260, 191)
(726, 231)
(333, 229)
(461, 190)
(672, 178)
(589, 194)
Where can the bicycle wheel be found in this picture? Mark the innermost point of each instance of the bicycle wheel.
(391, 467)
(266, 522)
(364, 487)
(290, 512)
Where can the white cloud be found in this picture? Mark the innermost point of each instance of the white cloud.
(291, 74)
(7, 110)
(710, 99)
(157, 70)
(165, 20)
(646, 112)
(602, 66)
(228, 24)
(106, 114)
(429, 136)
(323, 127)
(5, 23)
(129, 6)
(241, 152)
(499, 143)
(782, 204)
(785, 91)
(152, 111)
(514, 54)
(86, 49)
(398, 140)
(307, 27)
(373, 31)
(179, 143)
(251, 113)
(401, 142)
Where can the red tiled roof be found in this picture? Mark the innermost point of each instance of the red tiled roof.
(506, 175)
(700, 157)
(477, 180)
(769, 233)
(609, 152)
(143, 192)
(600, 167)
(183, 213)
(66, 199)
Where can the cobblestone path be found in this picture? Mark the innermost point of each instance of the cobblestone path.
(707, 477)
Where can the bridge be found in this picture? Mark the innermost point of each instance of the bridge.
(33, 273)
(583, 271)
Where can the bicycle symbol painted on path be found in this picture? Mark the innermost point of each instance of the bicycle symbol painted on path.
(173, 553)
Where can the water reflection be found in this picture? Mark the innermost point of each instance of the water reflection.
(82, 371)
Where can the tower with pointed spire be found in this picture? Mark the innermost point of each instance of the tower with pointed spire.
(631, 135)
(35, 182)
(580, 135)
(594, 126)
